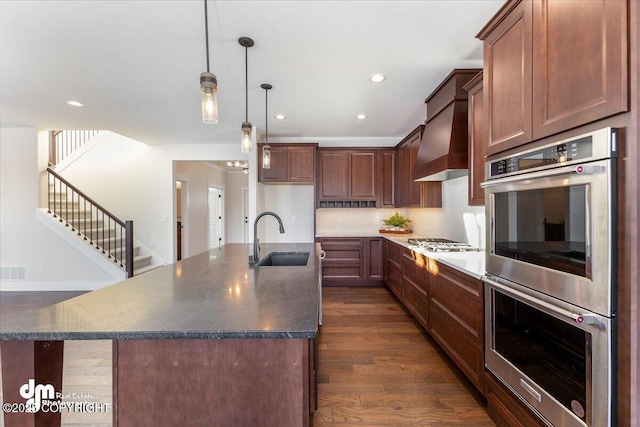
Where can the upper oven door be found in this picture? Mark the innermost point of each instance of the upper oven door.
(553, 231)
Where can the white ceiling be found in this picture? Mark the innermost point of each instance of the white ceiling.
(136, 64)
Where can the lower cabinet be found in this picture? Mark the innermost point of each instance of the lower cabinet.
(446, 302)
(456, 319)
(352, 261)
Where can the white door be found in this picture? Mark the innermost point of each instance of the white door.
(216, 230)
(245, 214)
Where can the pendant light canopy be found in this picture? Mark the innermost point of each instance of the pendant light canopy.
(266, 149)
(246, 144)
(208, 82)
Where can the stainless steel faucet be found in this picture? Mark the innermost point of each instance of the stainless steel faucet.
(255, 258)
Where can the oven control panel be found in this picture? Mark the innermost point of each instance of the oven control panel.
(597, 145)
(562, 153)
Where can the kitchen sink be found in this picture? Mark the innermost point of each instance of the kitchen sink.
(281, 259)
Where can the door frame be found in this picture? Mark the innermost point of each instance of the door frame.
(221, 222)
(184, 205)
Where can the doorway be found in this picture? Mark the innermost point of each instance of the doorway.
(182, 218)
(216, 217)
(245, 214)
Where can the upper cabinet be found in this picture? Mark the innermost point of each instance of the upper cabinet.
(355, 178)
(477, 140)
(410, 193)
(550, 66)
(290, 164)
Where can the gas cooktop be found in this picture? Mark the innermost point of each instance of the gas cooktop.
(441, 245)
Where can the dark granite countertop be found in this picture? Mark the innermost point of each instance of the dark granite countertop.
(212, 295)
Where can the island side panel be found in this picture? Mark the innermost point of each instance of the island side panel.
(26, 360)
(199, 382)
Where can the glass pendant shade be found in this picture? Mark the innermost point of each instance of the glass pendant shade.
(266, 157)
(209, 87)
(246, 137)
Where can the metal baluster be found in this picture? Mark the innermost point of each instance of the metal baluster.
(102, 222)
(59, 201)
(109, 236)
(48, 192)
(129, 248)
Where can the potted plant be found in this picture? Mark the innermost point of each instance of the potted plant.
(396, 223)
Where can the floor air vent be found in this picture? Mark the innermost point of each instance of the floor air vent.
(13, 273)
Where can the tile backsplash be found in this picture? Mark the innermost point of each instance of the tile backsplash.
(455, 220)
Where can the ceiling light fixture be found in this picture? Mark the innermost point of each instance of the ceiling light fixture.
(280, 117)
(361, 116)
(246, 42)
(266, 149)
(377, 78)
(74, 103)
(208, 82)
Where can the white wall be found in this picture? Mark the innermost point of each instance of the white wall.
(295, 205)
(455, 220)
(51, 264)
(136, 181)
(236, 182)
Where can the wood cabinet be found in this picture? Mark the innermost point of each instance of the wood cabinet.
(415, 280)
(387, 172)
(290, 164)
(550, 66)
(410, 193)
(456, 318)
(477, 140)
(506, 409)
(393, 267)
(352, 261)
(355, 178)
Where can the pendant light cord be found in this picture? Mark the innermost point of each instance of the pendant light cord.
(246, 86)
(266, 116)
(206, 32)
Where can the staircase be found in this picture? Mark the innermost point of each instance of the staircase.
(98, 228)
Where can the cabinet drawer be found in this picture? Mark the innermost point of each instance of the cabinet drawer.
(348, 250)
(341, 272)
(467, 355)
(466, 314)
(417, 303)
(415, 276)
(394, 280)
(467, 285)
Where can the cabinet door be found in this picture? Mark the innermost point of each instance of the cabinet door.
(374, 258)
(404, 176)
(333, 165)
(477, 145)
(415, 187)
(362, 175)
(580, 63)
(278, 170)
(301, 161)
(507, 75)
(386, 172)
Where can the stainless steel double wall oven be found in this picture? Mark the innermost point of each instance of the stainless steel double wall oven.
(550, 289)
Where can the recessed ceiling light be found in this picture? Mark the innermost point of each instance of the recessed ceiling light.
(377, 78)
(280, 117)
(361, 116)
(75, 103)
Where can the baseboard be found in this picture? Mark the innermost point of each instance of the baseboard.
(53, 286)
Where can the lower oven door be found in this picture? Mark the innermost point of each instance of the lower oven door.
(556, 357)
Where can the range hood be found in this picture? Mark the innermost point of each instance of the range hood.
(443, 149)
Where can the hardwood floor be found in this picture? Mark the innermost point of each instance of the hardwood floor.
(377, 367)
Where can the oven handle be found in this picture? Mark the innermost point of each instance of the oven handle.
(567, 170)
(582, 319)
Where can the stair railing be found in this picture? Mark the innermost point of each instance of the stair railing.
(64, 142)
(95, 224)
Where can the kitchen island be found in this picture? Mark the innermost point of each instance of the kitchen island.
(206, 341)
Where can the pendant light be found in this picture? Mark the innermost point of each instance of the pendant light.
(246, 42)
(208, 82)
(266, 149)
